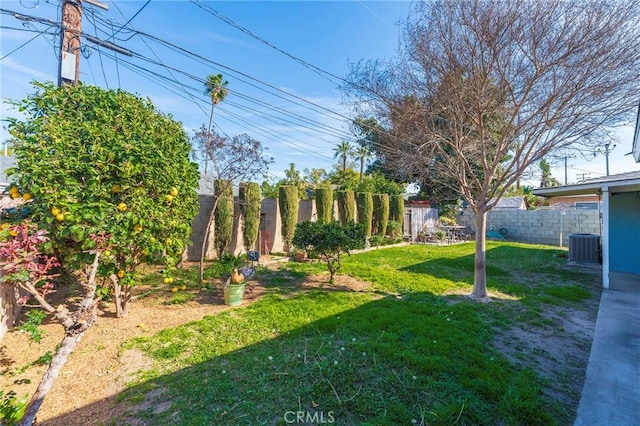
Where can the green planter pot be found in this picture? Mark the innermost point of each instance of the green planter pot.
(233, 294)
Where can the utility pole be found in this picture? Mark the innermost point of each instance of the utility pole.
(565, 166)
(606, 153)
(582, 176)
(69, 62)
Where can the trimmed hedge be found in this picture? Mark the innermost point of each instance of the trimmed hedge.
(324, 204)
(288, 202)
(250, 198)
(380, 213)
(396, 208)
(223, 218)
(346, 206)
(364, 202)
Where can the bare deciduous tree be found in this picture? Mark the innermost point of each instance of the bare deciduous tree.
(232, 160)
(485, 89)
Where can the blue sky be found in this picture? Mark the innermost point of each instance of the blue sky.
(298, 114)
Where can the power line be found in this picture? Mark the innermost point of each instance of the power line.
(234, 24)
(25, 43)
(336, 132)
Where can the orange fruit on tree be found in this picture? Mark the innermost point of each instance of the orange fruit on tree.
(122, 207)
(166, 280)
(106, 253)
(116, 188)
(173, 191)
(55, 211)
(4, 226)
(168, 198)
(14, 195)
(183, 288)
(137, 228)
(26, 196)
(59, 217)
(120, 274)
(167, 241)
(174, 290)
(13, 232)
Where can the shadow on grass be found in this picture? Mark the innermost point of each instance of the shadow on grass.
(353, 358)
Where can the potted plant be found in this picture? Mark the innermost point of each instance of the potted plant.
(233, 288)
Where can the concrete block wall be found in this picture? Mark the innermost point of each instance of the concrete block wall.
(538, 226)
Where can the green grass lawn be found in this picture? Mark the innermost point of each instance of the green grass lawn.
(410, 351)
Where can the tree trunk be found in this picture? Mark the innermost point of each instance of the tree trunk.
(117, 295)
(206, 148)
(58, 361)
(75, 325)
(479, 292)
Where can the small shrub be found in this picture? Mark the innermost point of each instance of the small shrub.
(329, 241)
(394, 229)
(32, 325)
(376, 240)
(181, 298)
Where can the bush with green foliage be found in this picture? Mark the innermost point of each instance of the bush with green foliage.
(394, 229)
(380, 213)
(105, 162)
(12, 408)
(346, 206)
(364, 202)
(288, 203)
(324, 204)
(223, 222)
(396, 208)
(447, 220)
(376, 183)
(329, 241)
(249, 195)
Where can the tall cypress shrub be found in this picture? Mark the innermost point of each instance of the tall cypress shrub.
(380, 213)
(223, 218)
(364, 201)
(324, 204)
(396, 208)
(288, 202)
(346, 206)
(249, 195)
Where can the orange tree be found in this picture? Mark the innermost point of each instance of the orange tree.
(108, 176)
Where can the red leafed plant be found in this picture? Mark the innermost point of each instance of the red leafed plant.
(24, 265)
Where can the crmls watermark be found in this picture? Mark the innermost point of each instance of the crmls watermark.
(309, 417)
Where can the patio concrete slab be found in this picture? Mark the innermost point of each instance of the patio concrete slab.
(611, 392)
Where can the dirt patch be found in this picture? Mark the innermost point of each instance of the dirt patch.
(98, 361)
(557, 347)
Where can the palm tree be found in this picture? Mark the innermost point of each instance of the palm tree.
(343, 150)
(217, 89)
(363, 153)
